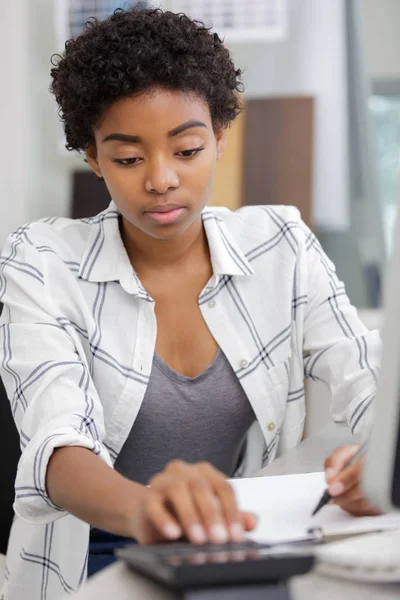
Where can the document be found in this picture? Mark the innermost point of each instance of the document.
(284, 505)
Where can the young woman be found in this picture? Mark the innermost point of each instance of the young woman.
(162, 338)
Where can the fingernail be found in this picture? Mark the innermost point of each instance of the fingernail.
(236, 532)
(197, 534)
(336, 488)
(329, 473)
(255, 517)
(172, 531)
(218, 534)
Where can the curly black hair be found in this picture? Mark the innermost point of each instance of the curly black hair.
(133, 51)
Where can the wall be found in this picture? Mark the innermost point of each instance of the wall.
(34, 174)
(14, 156)
(50, 164)
(311, 62)
(381, 22)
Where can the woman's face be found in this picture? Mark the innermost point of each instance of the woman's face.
(157, 152)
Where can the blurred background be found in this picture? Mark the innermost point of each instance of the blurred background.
(320, 130)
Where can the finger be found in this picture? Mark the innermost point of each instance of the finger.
(201, 477)
(229, 508)
(209, 507)
(226, 502)
(358, 507)
(180, 497)
(338, 459)
(350, 495)
(345, 480)
(249, 521)
(163, 521)
(354, 502)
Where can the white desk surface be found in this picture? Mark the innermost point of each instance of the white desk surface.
(118, 582)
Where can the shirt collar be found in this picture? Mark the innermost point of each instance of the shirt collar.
(105, 258)
(226, 256)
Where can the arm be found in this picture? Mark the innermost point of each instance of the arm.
(46, 375)
(338, 349)
(86, 487)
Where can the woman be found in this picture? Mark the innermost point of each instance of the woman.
(163, 338)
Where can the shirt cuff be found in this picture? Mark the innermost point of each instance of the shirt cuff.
(32, 502)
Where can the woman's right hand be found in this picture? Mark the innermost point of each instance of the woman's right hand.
(193, 501)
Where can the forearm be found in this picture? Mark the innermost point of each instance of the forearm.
(82, 484)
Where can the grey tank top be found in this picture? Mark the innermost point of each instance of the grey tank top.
(204, 418)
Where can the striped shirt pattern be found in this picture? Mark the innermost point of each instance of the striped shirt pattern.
(77, 338)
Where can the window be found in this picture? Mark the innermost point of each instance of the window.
(235, 20)
(385, 108)
(71, 15)
(238, 20)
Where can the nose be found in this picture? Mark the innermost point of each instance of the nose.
(160, 177)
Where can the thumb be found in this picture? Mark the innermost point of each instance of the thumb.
(337, 460)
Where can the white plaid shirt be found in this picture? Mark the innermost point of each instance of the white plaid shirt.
(77, 337)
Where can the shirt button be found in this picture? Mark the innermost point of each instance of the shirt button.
(211, 304)
(243, 363)
(271, 426)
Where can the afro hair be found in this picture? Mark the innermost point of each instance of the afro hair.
(133, 51)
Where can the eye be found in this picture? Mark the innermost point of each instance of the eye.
(191, 152)
(125, 162)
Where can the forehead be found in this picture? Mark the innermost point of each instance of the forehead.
(155, 111)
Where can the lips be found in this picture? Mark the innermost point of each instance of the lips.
(163, 208)
(165, 214)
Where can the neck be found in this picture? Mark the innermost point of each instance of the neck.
(147, 252)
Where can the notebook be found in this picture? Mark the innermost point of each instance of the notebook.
(284, 505)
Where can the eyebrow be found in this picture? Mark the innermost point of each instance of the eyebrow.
(135, 139)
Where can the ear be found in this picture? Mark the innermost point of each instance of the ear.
(220, 137)
(91, 157)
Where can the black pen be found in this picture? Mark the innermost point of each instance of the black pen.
(326, 497)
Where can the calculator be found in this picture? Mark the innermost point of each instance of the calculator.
(181, 565)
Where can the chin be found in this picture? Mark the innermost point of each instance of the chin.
(172, 230)
(166, 232)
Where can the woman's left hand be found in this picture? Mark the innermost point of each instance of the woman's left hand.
(344, 486)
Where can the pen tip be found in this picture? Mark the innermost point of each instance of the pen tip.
(324, 500)
(316, 509)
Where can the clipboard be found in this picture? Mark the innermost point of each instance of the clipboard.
(284, 505)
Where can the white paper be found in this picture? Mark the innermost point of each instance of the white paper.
(284, 505)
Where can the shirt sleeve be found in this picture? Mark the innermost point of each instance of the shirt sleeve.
(46, 376)
(338, 349)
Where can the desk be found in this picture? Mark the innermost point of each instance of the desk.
(118, 582)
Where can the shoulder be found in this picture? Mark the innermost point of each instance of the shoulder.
(54, 232)
(49, 239)
(252, 225)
